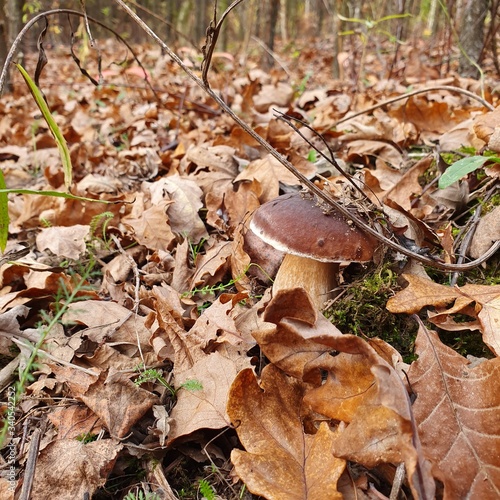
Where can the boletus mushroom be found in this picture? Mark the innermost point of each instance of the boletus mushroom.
(315, 242)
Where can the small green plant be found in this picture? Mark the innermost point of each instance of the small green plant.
(302, 86)
(62, 300)
(463, 167)
(312, 156)
(206, 489)
(139, 494)
(101, 221)
(86, 438)
(196, 249)
(154, 375)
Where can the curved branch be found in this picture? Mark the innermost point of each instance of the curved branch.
(449, 88)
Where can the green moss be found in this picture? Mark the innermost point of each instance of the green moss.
(361, 310)
(466, 343)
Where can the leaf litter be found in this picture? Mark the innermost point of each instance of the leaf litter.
(172, 345)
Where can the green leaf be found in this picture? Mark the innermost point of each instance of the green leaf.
(460, 169)
(56, 131)
(4, 214)
(312, 156)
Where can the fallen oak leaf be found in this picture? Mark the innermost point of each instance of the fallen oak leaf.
(457, 415)
(281, 461)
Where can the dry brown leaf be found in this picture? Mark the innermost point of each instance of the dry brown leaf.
(278, 95)
(485, 300)
(69, 469)
(66, 242)
(118, 402)
(217, 323)
(188, 348)
(206, 407)
(487, 128)
(269, 172)
(361, 151)
(74, 421)
(151, 228)
(487, 232)
(361, 388)
(457, 415)
(212, 265)
(280, 460)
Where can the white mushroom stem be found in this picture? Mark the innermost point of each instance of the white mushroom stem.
(319, 279)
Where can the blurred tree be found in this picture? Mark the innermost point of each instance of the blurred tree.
(472, 36)
(10, 25)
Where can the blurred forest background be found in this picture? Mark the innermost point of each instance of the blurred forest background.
(464, 31)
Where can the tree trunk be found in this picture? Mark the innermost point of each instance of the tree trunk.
(273, 10)
(10, 26)
(472, 37)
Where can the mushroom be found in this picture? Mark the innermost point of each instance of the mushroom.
(315, 243)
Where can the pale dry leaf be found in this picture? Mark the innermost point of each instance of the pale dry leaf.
(110, 322)
(74, 421)
(278, 95)
(217, 323)
(212, 265)
(162, 424)
(487, 232)
(281, 460)
(67, 469)
(68, 242)
(183, 212)
(269, 172)
(457, 415)
(205, 407)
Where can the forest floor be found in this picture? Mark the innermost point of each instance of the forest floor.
(143, 353)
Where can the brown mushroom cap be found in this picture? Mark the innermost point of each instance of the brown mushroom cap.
(295, 224)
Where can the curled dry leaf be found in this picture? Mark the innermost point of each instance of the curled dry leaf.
(183, 213)
(457, 415)
(479, 301)
(281, 461)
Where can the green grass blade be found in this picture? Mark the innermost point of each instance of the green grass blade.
(56, 131)
(57, 194)
(4, 214)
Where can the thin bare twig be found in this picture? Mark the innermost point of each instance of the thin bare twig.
(211, 40)
(29, 472)
(449, 88)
